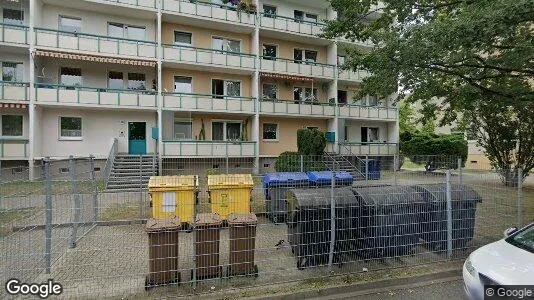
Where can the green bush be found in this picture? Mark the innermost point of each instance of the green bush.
(311, 142)
(291, 162)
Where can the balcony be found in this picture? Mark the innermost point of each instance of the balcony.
(178, 148)
(205, 9)
(92, 43)
(296, 108)
(136, 3)
(367, 112)
(13, 34)
(214, 103)
(90, 96)
(208, 57)
(296, 67)
(13, 148)
(14, 91)
(349, 75)
(361, 148)
(286, 24)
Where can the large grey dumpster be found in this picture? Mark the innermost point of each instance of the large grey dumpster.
(463, 199)
(309, 224)
(389, 223)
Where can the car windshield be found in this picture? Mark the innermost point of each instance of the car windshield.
(524, 239)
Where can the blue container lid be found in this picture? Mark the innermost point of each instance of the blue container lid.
(282, 178)
(325, 177)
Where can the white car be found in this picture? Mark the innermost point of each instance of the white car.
(509, 261)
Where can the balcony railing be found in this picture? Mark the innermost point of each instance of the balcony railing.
(94, 43)
(13, 147)
(140, 3)
(290, 24)
(206, 102)
(363, 148)
(367, 112)
(210, 10)
(291, 66)
(292, 107)
(14, 90)
(350, 75)
(63, 94)
(179, 148)
(207, 56)
(12, 33)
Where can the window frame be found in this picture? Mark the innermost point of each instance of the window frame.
(70, 138)
(70, 86)
(276, 47)
(182, 44)
(174, 129)
(225, 129)
(11, 62)
(368, 130)
(273, 84)
(21, 22)
(21, 125)
(305, 101)
(69, 17)
(303, 53)
(269, 15)
(125, 30)
(225, 91)
(227, 39)
(277, 133)
(127, 81)
(182, 76)
(123, 79)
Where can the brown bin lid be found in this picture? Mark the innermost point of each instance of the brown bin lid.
(208, 219)
(242, 219)
(153, 225)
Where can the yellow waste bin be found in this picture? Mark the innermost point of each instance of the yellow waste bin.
(173, 196)
(230, 193)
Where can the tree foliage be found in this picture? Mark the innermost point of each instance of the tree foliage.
(311, 142)
(294, 162)
(474, 56)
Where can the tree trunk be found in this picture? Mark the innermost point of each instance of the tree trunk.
(509, 177)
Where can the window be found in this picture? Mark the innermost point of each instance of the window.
(269, 11)
(70, 76)
(226, 131)
(11, 125)
(183, 130)
(341, 97)
(341, 60)
(270, 91)
(270, 131)
(369, 134)
(225, 44)
(70, 127)
(225, 88)
(300, 55)
(13, 16)
(126, 31)
(302, 16)
(115, 80)
(372, 100)
(312, 127)
(269, 51)
(136, 81)
(183, 84)
(182, 38)
(301, 94)
(12, 71)
(70, 24)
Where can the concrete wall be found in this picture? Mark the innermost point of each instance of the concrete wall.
(202, 80)
(99, 127)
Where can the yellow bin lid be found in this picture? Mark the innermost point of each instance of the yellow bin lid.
(230, 181)
(184, 182)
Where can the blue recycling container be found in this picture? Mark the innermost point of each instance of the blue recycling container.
(319, 178)
(373, 169)
(275, 186)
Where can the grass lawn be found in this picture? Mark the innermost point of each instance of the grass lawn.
(28, 188)
(8, 216)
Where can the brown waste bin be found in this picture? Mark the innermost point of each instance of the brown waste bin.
(242, 229)
(162, 251)
(207, 238)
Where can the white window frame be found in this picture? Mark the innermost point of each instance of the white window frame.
(183, 76)
(69, 17)
(21, 22)
(368, 134)
(182, 31)
(225, 91)
(225, 132)
(11, 62)
(269, 44)
(123, 78)
(59, 76)
(301, 101)
(304, 60)
(227, 39)
(182, 121)
(277, 132)
(70, 138)
(2, 127)
(125, 29)
(270, 83)
(269, 15)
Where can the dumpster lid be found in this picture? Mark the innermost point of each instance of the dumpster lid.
(320, 197)
(208, 219)
(388, 195)
(230, 180)
(437, 192)
(153, 225)
(326, 176)
(271, 179)
(173, 182)
(242, 219)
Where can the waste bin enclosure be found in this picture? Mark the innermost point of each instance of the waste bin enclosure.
(242, 231)
(275, 189)
(373, 168)
(463, 202)
(320, 178)
(162, 251)
(309, 225)
(230, 193)
(389, 223)
(173, 196)
(207, 240)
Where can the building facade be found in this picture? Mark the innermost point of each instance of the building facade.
(180, 79)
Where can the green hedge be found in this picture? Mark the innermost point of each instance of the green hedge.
(435, 151)
(291, 162)
(311, 142)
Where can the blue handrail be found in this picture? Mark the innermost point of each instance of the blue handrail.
(91, 35)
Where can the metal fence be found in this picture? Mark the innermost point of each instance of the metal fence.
(65, 225)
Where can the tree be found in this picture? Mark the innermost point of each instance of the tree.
(473, 56)
(311, 142)
(406, 115)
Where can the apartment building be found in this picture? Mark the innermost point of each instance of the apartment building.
(180, 79)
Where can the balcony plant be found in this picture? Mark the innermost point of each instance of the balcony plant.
(202, 134)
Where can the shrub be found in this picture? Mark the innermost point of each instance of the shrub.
(311, 142)
(291, 162)
(435, 151)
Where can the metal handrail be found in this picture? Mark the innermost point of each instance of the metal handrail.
(24, 85)
(207, 98)
(347, 145)
(209, 95)
(110, 160)
(225, 7)
(24, 28)
(91, 35)
(136, 4)
(209, 50)
(199, 142)
(13, 140)
(275, 16)
(90, 88)
(296, 61)
(292, 101)
(345, 160)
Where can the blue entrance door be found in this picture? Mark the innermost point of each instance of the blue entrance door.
(137, 138)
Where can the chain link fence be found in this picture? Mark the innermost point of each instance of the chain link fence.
(379, 213)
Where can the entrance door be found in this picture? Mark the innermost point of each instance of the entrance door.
(137, 138)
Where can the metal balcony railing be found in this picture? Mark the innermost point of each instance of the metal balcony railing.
(292, 66)
(13, 33)
(183, 148)
(288, 24)
(14, 90)
(188, 54)
(13, 147)
(208, 102)
(295, 107)
(205, 9)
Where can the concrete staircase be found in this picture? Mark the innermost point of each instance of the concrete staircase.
(130, 173)
(341, 163)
